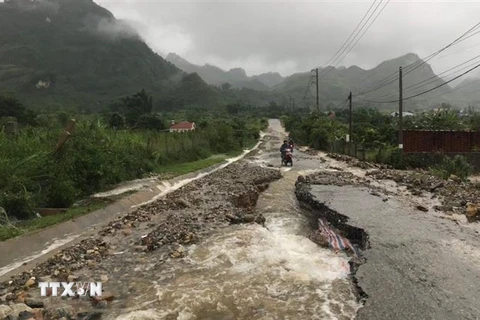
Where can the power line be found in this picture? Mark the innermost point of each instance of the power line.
(364, 32)
(434, 78)
(445, 48)
(343, 54)
(457, 52)
(466, 85)
(452, 68)
(429, 90)
(459, 87)
(308, 87)
(414, 65)
(349, 40)
(351, 34)
(344, 104)
(356, 35)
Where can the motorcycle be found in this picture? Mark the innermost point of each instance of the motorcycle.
(287, 158)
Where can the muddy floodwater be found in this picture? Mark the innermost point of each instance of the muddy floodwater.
(250, 271)
(232, 243)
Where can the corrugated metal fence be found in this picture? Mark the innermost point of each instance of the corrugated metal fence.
(419, 141)
(425, 146)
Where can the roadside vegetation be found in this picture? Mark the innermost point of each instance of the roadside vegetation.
(127, 142)
(9, 229)
(375, 136)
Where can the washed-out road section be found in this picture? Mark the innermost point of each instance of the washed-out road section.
(417, 265)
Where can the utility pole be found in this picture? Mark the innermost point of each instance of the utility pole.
(400, 110)
(316, 82)
(350, 119)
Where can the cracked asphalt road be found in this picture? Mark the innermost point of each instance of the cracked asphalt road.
(418, 266)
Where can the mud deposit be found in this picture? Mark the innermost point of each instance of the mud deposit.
(450, 196)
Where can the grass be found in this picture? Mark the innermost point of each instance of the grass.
(187, 167)
(25, 227)
(184, 168)
(28, 226)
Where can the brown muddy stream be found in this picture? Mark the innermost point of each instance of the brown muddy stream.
(247, 271)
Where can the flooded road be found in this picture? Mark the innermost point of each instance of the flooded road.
(250, 271)
(193, 251)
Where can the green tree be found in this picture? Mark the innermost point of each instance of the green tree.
(150, 121)
(234, 108)
(116, 121)
(11, 107)
(135, 106)
(62, 118)
(444, 120)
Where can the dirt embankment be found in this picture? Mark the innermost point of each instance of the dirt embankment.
(339, 222)
(182, 218)
(354, 162)
(320, 210)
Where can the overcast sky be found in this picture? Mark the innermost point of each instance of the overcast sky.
(295, 36)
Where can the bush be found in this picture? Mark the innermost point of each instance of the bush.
(62, 193)
(96, 157)
(18, 205)
(116, 121)
(150, 121)
(457, 166)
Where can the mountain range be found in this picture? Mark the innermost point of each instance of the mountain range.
(236, 77)
(377, 86)
(468, 90)
(74, 53)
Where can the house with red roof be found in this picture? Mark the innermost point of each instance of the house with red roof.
(183, 126)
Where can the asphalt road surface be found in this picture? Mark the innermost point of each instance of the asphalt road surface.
(418, 266)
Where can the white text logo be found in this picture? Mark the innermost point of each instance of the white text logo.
(71, 289)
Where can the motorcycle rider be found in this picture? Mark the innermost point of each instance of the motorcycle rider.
(290, 143)
(284, 146)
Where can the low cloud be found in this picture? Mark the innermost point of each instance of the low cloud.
(292, 36)
(116, 29)
(44, 5)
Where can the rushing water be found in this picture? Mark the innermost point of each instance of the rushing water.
(165, 188)
(242, 271)
(252, 272)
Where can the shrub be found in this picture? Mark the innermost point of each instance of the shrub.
(18, 205)
(150, 121)
(61, 193)
(457, 166)
(96, 156)
(116, 121)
